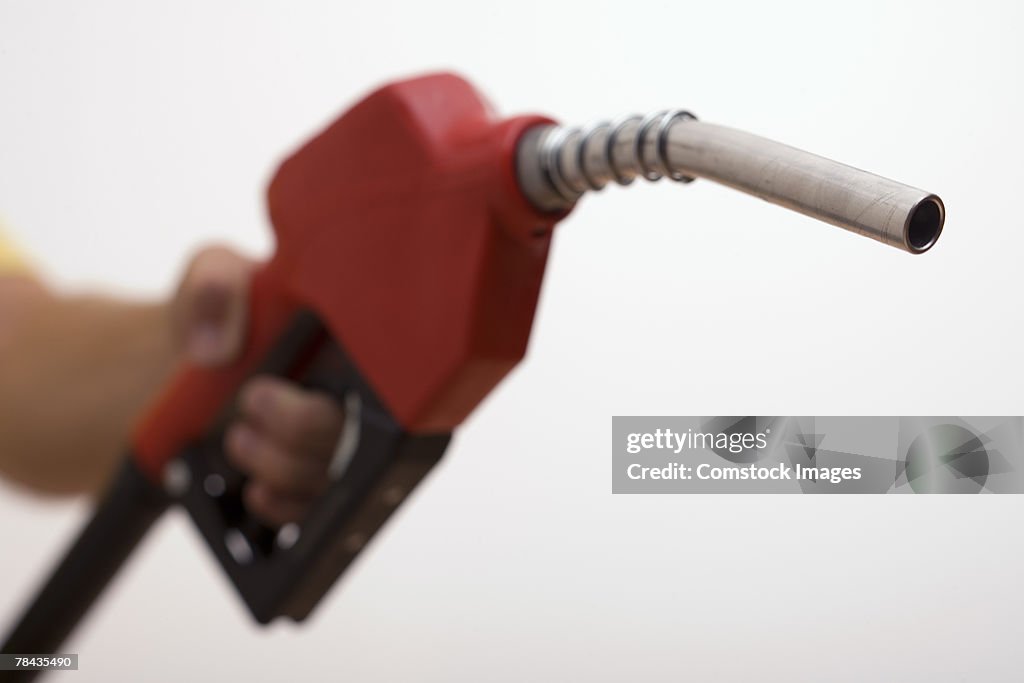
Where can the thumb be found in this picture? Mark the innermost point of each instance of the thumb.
(211, 306)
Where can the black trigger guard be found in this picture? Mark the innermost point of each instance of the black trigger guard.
(285, 572)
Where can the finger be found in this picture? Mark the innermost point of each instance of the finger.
(269, 463)
(273, 506)
(303, 421)
(210, 308)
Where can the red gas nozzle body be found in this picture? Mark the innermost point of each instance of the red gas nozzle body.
(402, 227)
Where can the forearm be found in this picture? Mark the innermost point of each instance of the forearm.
(74, 374)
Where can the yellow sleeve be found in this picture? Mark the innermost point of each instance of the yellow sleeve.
(11, 262)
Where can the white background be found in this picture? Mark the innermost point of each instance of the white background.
(130, 133)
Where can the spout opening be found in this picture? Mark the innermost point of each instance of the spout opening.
(924, 224)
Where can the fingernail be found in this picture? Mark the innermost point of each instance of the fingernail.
(205, 343)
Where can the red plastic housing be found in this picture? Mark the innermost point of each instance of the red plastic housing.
(403, 227)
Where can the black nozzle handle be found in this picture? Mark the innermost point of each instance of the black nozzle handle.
(129, 508)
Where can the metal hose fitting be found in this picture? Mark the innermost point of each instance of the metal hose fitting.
(556, 165)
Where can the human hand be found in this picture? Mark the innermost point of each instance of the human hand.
(284, 436)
